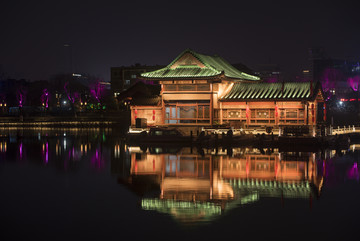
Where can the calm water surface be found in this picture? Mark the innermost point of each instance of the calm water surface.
(87, 184)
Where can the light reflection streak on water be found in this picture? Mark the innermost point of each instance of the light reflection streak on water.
(47, 153)
(21, 150)
(117, 151)
(353, 172)
(3, 146)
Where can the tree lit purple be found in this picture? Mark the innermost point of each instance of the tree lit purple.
(354, 82)
(45, 98)
(20, 95)
(96, 90)
(71, 96)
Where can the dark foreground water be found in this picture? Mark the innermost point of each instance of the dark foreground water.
(89, 185)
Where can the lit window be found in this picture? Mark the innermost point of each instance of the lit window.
(301, 113)
(291, 114)
(127, 82)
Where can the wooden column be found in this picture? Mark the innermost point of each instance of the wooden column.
(220, 113)
(276, 114)
(306, 113)
(211, 104)
(248, 114)
(313, 113)
(163, 111)
(211, 177)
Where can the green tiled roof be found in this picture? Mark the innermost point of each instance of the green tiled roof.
(275, 91)
(213, 66)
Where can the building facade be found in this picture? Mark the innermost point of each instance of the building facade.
(204, 90)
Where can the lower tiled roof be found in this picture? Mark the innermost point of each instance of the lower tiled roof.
(273, 91)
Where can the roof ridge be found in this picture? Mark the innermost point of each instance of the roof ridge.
(214, 65)
(200, 58)
(196, 55)
(178, 57)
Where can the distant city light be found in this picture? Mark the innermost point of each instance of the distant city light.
(341, 102)
(344, 100)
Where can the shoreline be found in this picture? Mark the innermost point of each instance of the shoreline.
(110, 119)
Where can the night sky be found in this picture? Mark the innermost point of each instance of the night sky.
(106, 34)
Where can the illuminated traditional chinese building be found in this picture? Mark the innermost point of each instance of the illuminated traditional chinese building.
(203, 90)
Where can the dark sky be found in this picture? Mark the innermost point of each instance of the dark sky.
(104, 34)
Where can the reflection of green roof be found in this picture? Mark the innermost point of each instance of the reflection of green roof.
(246, 191)
(213, 66)
(184, 210)
(275, 91)
(189, 211)
(273, 188)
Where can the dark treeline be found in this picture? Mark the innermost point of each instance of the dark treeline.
(60, 95)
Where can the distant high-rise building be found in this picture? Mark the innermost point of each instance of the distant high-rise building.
(269, 72)
(338, 77)
(307, 75)
(314, 54)
(125, 76)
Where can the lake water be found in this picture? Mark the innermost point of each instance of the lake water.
(88, 184)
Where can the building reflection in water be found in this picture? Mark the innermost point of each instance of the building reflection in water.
(201, 185)
(189, 184)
